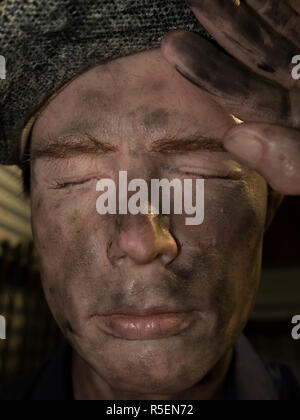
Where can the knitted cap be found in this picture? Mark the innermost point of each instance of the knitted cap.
(46, 43)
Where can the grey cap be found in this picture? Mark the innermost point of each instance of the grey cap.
(46, 43)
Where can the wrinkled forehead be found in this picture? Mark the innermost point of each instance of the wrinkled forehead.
(138, 94)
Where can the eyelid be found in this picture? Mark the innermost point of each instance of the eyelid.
(64, 184)
(66, 181)
(211, 173)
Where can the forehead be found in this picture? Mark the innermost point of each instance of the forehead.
(137, 95)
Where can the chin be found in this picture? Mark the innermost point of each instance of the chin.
(158, 367)
(156, 378)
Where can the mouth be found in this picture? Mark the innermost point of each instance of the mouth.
(150, 324)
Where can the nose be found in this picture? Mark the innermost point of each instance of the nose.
(143, 239)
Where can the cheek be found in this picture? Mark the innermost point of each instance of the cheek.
(70, 241)
(234, 218)
(228, 249)
(62, 225)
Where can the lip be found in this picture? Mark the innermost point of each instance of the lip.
(148, 324)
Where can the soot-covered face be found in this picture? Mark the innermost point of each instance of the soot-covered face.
(137, 114)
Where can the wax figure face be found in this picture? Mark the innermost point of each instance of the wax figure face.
(153, 124)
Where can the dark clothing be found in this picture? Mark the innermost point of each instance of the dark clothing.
(249, 378)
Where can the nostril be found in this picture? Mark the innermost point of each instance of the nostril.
(166, 259)
(114, 252)
(169, 250)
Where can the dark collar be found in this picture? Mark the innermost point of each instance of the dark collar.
(247, 379)
(54, 382)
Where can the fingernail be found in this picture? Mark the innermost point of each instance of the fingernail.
(247, 148)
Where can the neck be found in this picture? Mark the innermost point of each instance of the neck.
(88, 385)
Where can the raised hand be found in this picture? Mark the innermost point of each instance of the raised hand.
(254, 81)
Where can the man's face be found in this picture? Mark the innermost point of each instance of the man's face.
(144, 112)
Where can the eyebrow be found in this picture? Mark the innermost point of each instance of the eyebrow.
(73, 145)
(191, 143)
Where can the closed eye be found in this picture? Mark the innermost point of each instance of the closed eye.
(63, 185)
(230, 175)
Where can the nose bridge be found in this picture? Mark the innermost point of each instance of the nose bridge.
(135, 179)
(138, 226)
(141, 167)
(142, 238)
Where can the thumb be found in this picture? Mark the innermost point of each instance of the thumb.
(271, 150)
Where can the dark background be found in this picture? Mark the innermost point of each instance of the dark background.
(279, 299)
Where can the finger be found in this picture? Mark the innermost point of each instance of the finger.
(271, 150)
(243, 93)
(295, 4)
(248, 38)
(280, 16)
